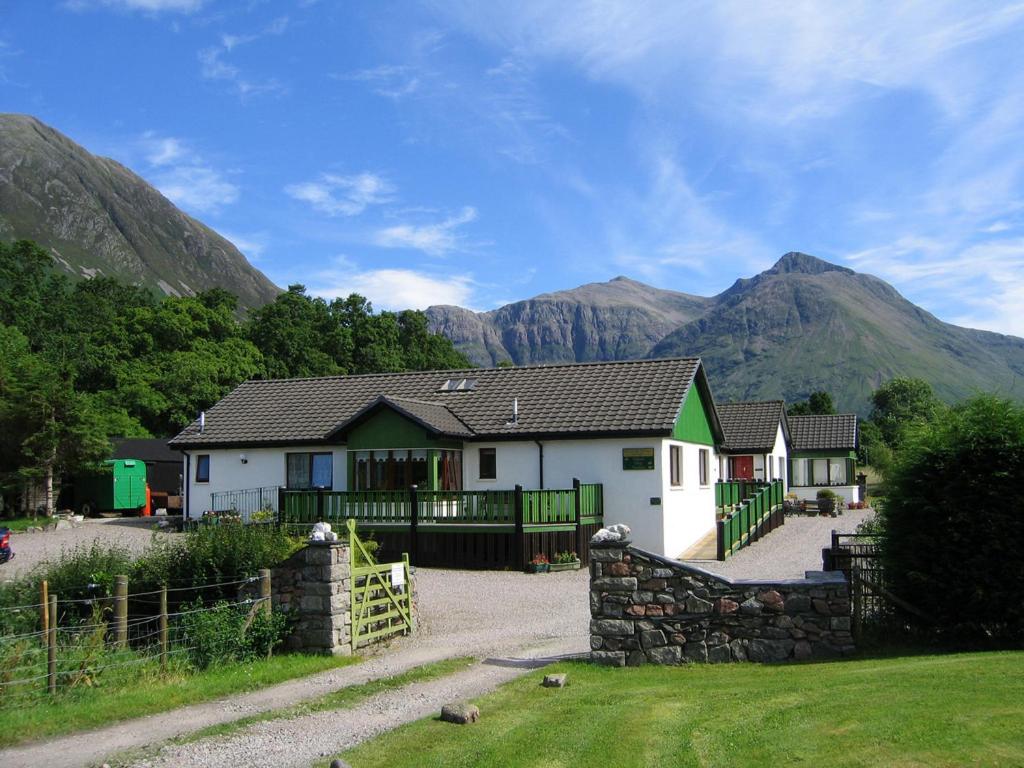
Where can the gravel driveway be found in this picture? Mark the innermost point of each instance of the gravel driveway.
(787, 552)
(30, 549)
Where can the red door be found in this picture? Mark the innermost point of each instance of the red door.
(742, 468)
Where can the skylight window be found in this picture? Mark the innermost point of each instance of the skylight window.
(458, 385)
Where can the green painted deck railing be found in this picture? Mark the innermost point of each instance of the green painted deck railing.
(751, 517)
(527, 509)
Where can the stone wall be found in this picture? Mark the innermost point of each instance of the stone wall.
(649, 609)
(316, 583)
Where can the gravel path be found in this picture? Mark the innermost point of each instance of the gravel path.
(30, 549)
(787, 552)
(460, 613)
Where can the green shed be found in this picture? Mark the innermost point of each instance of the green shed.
(119, 487)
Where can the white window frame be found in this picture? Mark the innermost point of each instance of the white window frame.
(675, 466)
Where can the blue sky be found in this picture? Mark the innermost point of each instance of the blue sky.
(481, 152)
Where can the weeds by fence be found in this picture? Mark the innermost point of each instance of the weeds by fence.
(79, 643)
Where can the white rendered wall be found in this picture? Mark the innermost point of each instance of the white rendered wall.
(684, 515)
(779, 451)
(689, 509)
(810, 492)
(263, 467)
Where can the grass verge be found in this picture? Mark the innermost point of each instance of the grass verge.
(340, 699)
(964, 709)
(19, 524)
(147, 692)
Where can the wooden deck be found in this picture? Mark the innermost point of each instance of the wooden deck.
(705, 549)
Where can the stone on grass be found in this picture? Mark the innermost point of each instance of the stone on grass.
(460, 712)
(337, 763)
(554, 681)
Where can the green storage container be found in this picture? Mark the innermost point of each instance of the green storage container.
(119, 487)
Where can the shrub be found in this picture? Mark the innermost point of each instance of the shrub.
(225, 633)
(954, 519)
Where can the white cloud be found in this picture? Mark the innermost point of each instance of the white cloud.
(252, 245)
(335, 194)
(434, 239)
(162, 150)
(390, 80)
(196, 187)
(394, 289)
(214, 67)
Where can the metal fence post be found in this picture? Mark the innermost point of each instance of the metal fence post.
(163, 628)
(121, 611)
(51, 646)
(858, 603)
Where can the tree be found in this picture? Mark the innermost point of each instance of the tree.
(819, 403)
(57, 429)
(900, 403)
(954, 519)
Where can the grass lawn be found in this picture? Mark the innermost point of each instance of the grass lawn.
(147, 692)
(19, 524)
(952, 710)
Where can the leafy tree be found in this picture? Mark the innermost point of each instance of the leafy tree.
(299, 336)
(819, 403)
(899, 403)
(56, 429)
(955, 517)
(423, 350)
(871, 448)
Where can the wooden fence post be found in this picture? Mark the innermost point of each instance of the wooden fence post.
(163, 628)
(44, 611)
(320, 504)
(51, 645)
(265, 603)
(280, 507)
(518, 543)
(720, 553)
(121, 611)
(414, 522)
(578, 515)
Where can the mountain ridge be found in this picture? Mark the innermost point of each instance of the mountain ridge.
(95, 216)
(801, 325)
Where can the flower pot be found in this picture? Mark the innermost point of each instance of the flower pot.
(538, 567)
(573, 566)
(826, 507)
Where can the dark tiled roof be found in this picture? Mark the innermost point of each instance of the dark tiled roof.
(751, 426)
(436, 417)
(638, 396)
(821, 433)
(145, 449)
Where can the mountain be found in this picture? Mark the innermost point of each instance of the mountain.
(801, 326)
(618, 320)
(96, 217)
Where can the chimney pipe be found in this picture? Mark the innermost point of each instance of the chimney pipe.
(202, 421)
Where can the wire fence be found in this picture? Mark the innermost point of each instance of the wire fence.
(120, 638)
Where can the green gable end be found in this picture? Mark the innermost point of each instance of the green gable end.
(694, 422)
(391, 430)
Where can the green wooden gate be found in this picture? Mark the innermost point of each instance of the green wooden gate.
(381, 595)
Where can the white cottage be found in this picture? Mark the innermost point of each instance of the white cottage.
(646, 430)
(756, 440)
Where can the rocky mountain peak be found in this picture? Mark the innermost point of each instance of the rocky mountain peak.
(804, 263)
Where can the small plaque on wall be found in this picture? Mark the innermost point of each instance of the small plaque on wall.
(638, 458)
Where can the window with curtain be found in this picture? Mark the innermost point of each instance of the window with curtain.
(309, 470)
(675, 456)
(488, 463)
(799, 472)
(704, 457)
(837, 471)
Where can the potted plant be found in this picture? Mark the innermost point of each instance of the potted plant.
(827, 502)
(539, 564)
(565, 561)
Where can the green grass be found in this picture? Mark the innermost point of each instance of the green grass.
(915, 711)
(19, 524)
(147, 692)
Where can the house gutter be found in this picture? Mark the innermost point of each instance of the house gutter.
(184, 484)
(540, 460)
